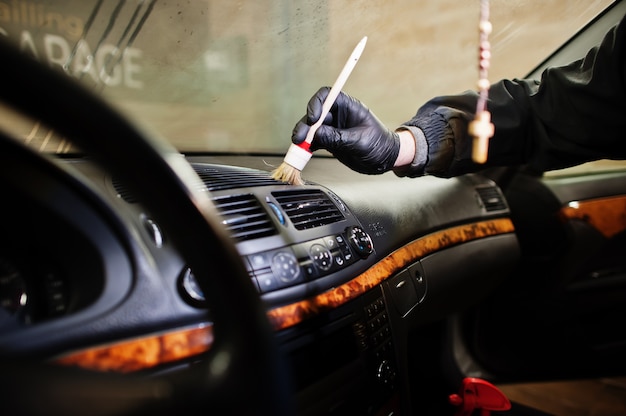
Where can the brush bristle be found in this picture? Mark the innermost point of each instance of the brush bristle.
(288, 174)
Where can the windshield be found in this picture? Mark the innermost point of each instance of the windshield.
(235, 76)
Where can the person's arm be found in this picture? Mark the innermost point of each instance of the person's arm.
(577, 113)
(407, 151)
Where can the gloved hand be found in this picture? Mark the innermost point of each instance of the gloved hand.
(351, 132)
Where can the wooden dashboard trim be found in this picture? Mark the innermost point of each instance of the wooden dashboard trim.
(146, 352)
(607, 215)
(290, 315)
(141, 353)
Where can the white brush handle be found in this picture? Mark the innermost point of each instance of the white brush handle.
(337, 87)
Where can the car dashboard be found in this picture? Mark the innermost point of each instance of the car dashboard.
(347, 266)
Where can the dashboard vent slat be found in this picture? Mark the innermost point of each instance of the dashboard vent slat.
(214, 178)
(491, 198)
(123, 192)
(219, 178)
(244, 217)
(308, 208)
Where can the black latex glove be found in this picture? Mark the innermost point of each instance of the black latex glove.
(351, 132)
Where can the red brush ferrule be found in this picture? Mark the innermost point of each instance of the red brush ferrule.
(298, 155)
(306, 146)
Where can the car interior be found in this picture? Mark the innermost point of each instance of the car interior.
(139, 278)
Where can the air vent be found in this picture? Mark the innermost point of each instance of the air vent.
(244, 217)
(123, 192)
(491, 198)
(218, 177)
(214, 178)
(308, 208)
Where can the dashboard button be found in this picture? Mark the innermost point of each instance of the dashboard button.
(309, 269)
(259, 261)
(321, 257)
(267, 282)
(339, 260)
(331, 242)
(285, 267)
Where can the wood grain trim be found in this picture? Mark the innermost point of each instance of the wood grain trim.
(146, 352)
(290, 315)
(142, 353)
(607, 215)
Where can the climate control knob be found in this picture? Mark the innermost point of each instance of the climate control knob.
(322, 257)
(285, 267)
(360, 241)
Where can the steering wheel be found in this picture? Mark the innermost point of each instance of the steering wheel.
(243, 373)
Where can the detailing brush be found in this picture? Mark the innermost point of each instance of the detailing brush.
(299, 154)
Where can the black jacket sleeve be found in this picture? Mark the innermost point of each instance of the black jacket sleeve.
(574, 114)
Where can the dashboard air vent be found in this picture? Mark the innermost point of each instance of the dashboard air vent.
(218, 177)
(308, 208)
(214, 178)
(491, 198)
(244, 217)
(123, 192)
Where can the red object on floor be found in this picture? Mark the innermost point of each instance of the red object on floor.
(477, 394)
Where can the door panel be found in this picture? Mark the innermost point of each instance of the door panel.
(562, 314)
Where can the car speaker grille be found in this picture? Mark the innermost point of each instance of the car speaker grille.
(244, 217)
(308, 208)
(491, 198)
(218, 178)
